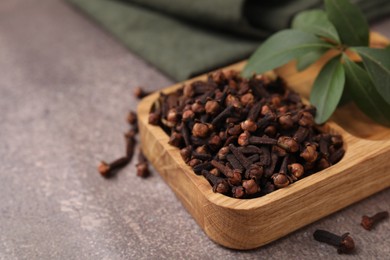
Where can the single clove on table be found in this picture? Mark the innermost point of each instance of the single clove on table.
(344, 243)
(247, 137)
(369, 222)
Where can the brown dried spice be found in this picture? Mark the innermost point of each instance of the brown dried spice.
(255, 135)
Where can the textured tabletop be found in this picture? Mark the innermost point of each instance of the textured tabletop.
(65, 89)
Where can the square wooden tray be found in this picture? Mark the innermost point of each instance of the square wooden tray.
(251, 223)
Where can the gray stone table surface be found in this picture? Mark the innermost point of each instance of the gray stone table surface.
(65, 88)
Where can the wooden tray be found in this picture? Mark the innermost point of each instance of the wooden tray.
(251, 223)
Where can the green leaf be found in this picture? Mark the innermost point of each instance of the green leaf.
(309, 58)
(327, 89)
(377, 63)
(280, 48)
(345, 98)
(363, 92)
(316, 22)
(350, 23)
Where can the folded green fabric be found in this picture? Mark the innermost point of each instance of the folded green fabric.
(274, 17)
(184, 38)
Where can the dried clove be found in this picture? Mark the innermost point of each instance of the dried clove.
(220, 185)
(369, 222)
(254, 172)
(140, 93)
(200, 130)
(344, 243)
(132, 118)
(221, 116)
(130, 143)
(202, 166)
(280, 180)
(288, 144)
(250, 187)
(238, 192)
(240, 156)
(176, 139)
(234, 162)
(336, 156)
(142, 166)
(186, 153)
(301, 134)
(310, 153)
(108, 170)
(296, 170)
(233, 175)
(154, 118)
(246, 138)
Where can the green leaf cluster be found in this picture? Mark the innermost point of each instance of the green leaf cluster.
(343, 27)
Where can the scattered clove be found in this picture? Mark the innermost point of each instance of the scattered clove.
(369, 222)
(142, 166)
(344, 243)
(140, 93)
(132, 118)
(130, 143)
(108, 170)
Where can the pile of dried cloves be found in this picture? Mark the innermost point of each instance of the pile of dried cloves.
(248, 137)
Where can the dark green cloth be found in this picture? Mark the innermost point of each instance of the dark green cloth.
(184, 38)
